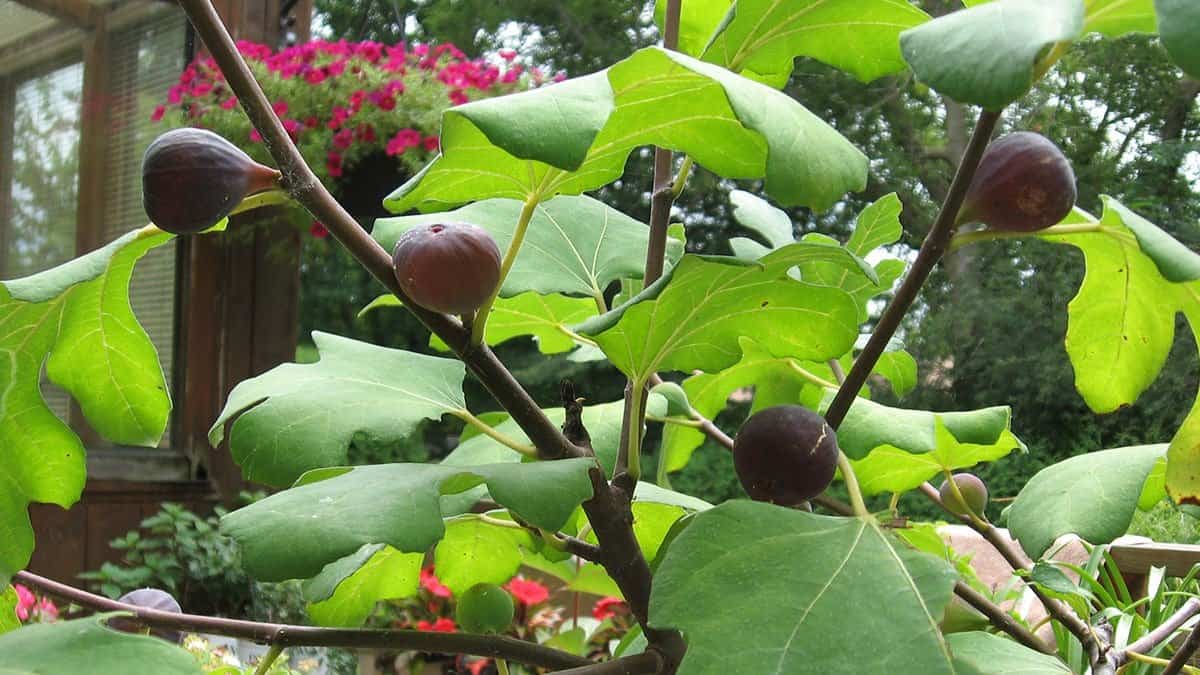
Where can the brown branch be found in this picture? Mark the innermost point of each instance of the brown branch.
(646, 663)
(608, 510)
(1018, 560)
(931, 251)
(494, 646)
(1160, 633)
(1185, 652)
(1000, 618)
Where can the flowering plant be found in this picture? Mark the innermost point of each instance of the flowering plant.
(342, 101)
(32, 609)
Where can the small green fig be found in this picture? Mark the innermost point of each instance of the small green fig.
(485, 608)
(973, 491)
(1024, 183)
(447, 267)
(192, 178)
(785, 455)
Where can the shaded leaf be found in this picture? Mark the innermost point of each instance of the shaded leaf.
(1178, 25)
(869, 425)
(88, 646)
(810, 574)
(979, 653)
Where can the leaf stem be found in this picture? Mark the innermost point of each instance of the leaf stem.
(284, 635)
(678, 421)
(495, 434)
(848, 475)
(810, 376)
(273, 197)
(685, 170)
(268, 660)
(967, 238)
(510, 256)
(931, 252)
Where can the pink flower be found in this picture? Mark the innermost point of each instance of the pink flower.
(402, 141)
(430, 583)
(357, 98)
(158, 113)
(343, 138)
(458, 97)
(312, 122)
(25, 601)
(229, 103)
(48, 610)
(318, 230)
(560, 76)
(442, 625)
(608, 607)
(527, 592)
(508, 55)
(280, 107)
(333, 163)
(370, 51)
(431, 144)
(315, 76)
(255, 136)
(201, 89)
(476, 667)
(340, 115)
(175, 94)
(365, 133)
(293, 128)
(382, 100)
(336, 68)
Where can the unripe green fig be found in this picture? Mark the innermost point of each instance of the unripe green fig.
(485, 608)
(447, 267)
(973, 491)
(785, 455)
(1024, 183)
(192, 178)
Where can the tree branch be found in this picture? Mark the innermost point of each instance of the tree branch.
(1185, 652)
(1161, 633)
(646, 663)
(1000, 618)
(931, 251)
(494, 646)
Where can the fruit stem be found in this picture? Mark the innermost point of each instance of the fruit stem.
(502, 666)
(685, 170)
(848, 475)
(268, 660)
(931, 252)
(258, 200)
(510, 256)
(811, 376)
(967, 238)
(495, 434)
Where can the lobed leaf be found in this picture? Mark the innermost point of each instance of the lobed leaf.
(810, 574)
(295, 418)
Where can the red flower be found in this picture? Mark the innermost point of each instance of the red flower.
(476, 667)
(608, 607)
(527, 592)
(25, 601)
(402, 141)
(255, 136)
(312, 122)
(442, 625)
(431, 143)
(175, 94)
(333, 163)
(229, 103)
(458, 97)
(357, 98)
(158, 113)
(293, 128)
(343, 138)
(508, 55)
(318, 230)
(315, 76)
(280, 108)
(430, 583)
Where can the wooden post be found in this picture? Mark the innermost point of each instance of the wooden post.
(240, 294)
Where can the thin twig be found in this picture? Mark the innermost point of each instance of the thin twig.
(283, 635)
(1000, 618)
(646, 663)
(931, 252)
(1185, 652)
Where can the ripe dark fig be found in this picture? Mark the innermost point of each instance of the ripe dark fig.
(485, 608)
(785, 455)
(1024, 183)
(192, 178)
(447, 267)
(973, 491)
(149, 598)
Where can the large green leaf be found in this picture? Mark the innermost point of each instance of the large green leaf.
(345, 592)
(517, 146)
(1092, 495)
(1178, 24)
(75, 319)
(861, 37)
(474, 551)
(1111, 18)
(891, 469)
(574, 245)
(694, 316)
(1119, 329)
(979, 653)
(1183, 455)
(333, 513)
(698, 20)
(8, 610)
(989, 54)
(809, 576)
(295, 418)
(869, 425)
(88, 646)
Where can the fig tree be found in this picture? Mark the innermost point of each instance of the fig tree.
(973, 491)
(1024, 183)
(447, 267)
(485, 608)
(192, 178)
(785, 455)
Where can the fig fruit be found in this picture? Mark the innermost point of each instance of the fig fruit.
(485, 608)
(1024, 183)
(973, 491)
(447, 267)
(785, 455)
(149, 598)
(192, 178)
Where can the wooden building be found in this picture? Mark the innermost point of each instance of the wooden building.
(79, 80)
